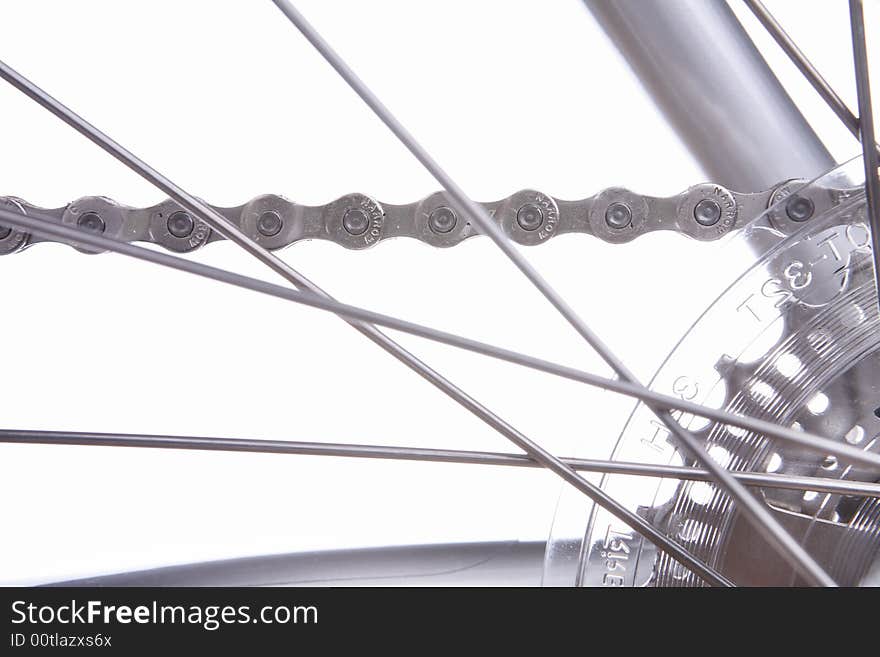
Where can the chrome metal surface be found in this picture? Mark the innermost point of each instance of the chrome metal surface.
(275, 223)
(48, 227)
(532, 217)
(218, 222)
(795, 341)
(762, 521)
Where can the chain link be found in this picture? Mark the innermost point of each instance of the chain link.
(356, 221)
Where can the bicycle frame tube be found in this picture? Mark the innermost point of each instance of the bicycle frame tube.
(718, 93)
(707, 77)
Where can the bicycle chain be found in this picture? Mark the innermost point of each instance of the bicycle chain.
(356, 221)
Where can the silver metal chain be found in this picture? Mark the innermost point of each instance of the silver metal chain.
(356, 221)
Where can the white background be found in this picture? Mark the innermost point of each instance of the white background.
(228, 100)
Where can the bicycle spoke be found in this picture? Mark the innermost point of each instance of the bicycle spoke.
(214, 219)
(799, 59)
(44, 226)
(387, 452)
(755, 510)
(866, 130)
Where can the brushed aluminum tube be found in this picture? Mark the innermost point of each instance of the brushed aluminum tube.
(713, 86)
(748, 505)
(799, 59)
